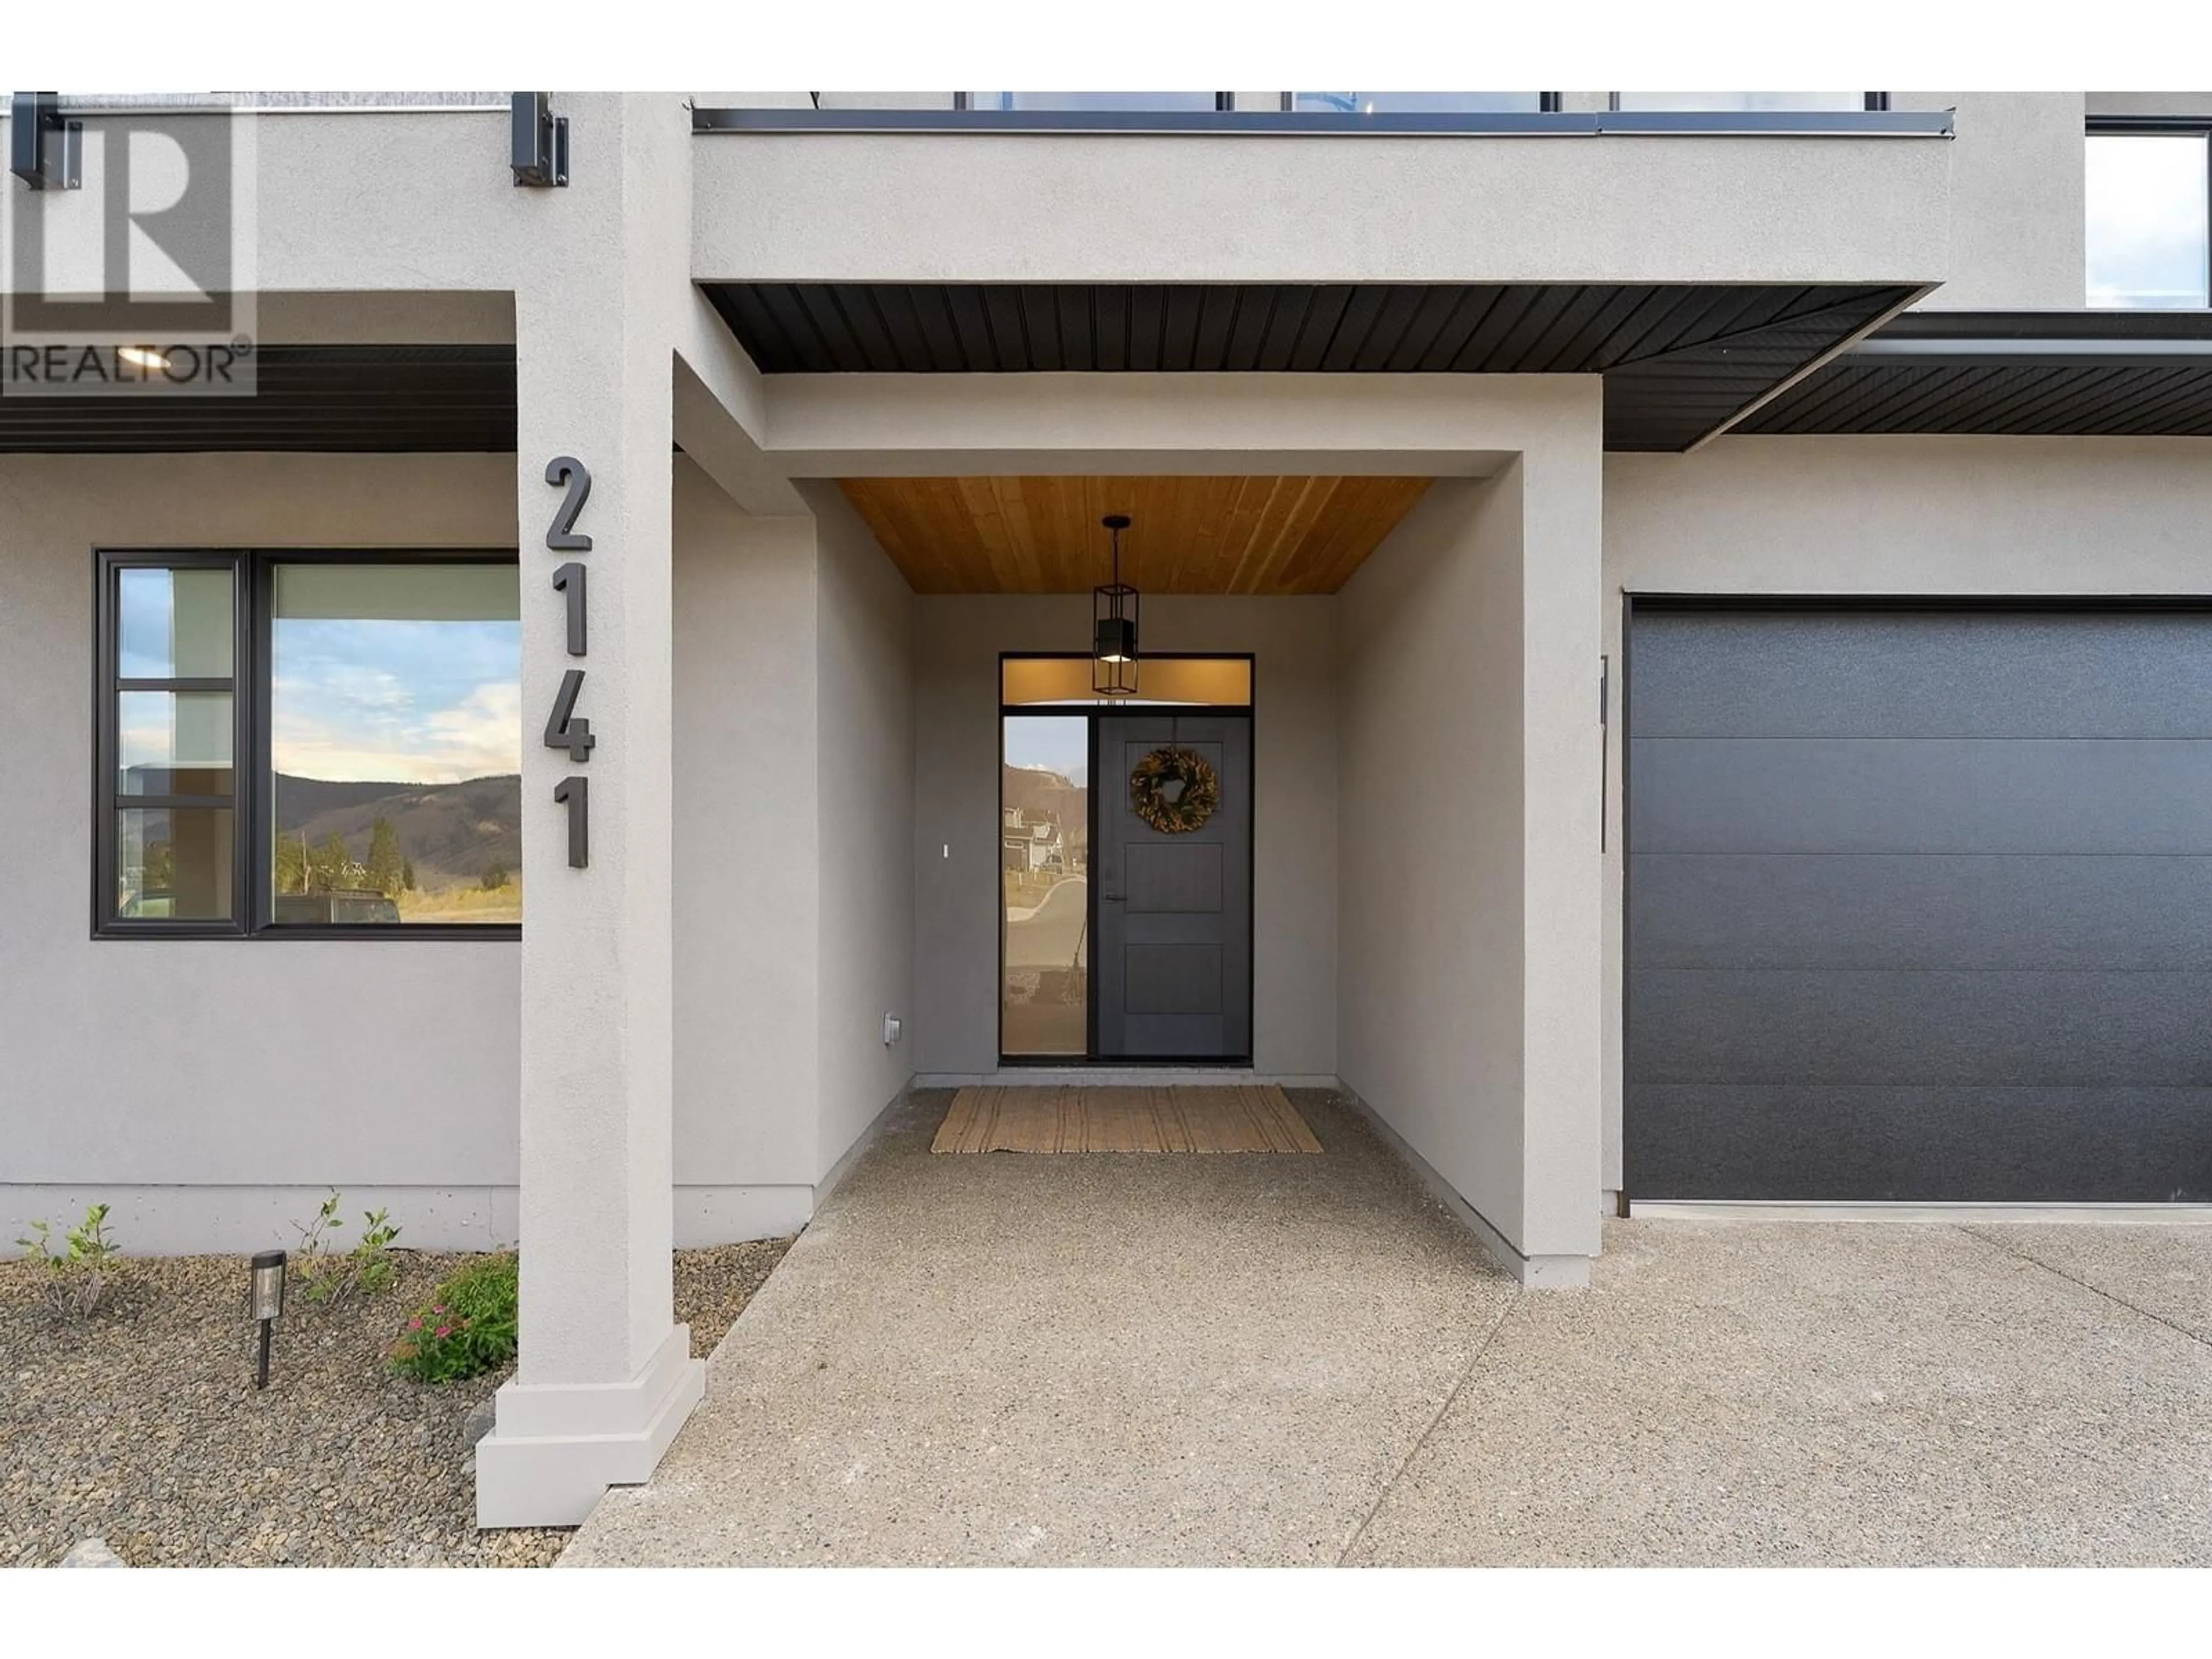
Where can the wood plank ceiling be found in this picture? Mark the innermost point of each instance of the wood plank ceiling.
(1189, 535)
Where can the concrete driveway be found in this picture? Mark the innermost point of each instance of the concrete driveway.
(1128, 1360)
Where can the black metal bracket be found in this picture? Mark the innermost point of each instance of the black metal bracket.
(539, 142)
(44, 151)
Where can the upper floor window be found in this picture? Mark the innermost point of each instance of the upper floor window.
(292, 741)
(1152, 101)
(1728, 102)
(1385, 103)
(2148, 232)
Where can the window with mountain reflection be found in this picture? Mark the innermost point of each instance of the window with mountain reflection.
(289, 741)
(394, 743)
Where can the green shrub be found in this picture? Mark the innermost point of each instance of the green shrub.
(467, 1330)
(82, 1272)
(326, 1277)
(311, 1262)
(371, 1259)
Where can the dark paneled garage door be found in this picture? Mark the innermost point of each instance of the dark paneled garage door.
(1920, 905)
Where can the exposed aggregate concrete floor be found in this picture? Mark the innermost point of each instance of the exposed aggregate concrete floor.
(1109, 1359)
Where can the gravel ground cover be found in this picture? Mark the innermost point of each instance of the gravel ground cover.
(142, 1426)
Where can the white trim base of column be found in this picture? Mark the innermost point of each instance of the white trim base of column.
(556, 1448)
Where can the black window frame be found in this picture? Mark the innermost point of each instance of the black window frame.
(1091, 711)
(2161, 126)
(1869, 103)
(963, 101)
(252, 623)
(1547, 103)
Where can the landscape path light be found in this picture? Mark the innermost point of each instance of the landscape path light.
(267, 1306)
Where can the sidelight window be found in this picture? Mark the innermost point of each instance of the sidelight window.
(1044, 870)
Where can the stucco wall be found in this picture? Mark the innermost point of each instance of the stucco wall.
(1883, 515)
(957, 641)
(212, 1089)
(168, 1074)
(865, 823)
(2016, 199)
(1432, 888)
(746, 920)
(1025, 207)
(794, 801)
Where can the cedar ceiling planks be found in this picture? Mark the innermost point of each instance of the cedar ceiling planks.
(1224, 534)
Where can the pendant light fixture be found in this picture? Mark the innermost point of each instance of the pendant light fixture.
(1113, 625)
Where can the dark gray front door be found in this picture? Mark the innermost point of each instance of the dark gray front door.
(1920, 905)
(1171, 977)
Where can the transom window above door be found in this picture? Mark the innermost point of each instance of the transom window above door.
(1191, 682)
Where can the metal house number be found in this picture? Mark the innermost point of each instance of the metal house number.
(564, 729)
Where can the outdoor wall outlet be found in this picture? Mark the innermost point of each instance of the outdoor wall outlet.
(893, 1026)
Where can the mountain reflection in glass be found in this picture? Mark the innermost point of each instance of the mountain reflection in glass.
(395, 739)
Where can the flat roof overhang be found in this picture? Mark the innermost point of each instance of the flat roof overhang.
(1680, 360)
(1699, 261)
(418, 399)
(1258, 197)
(2084, 374)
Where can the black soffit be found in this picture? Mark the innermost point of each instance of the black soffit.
(330, 399)
(1680, 359)
(2015, 374)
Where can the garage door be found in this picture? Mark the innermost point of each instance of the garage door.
(1919, 904)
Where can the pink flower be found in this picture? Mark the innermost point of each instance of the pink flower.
(416, 1323)
(437, 1306)
(445, 1330)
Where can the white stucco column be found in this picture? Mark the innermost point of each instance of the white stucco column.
(1563, 806)
(606, 1376)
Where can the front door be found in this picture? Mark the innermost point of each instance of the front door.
(1171, 977)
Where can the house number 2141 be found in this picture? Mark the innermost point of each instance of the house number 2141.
(564, 727)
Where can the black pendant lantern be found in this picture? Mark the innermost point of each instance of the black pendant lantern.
(1113, 625)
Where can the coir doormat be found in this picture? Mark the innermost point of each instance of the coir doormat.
(1077, 1118)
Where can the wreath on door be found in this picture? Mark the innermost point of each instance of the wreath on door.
(1175, 790)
